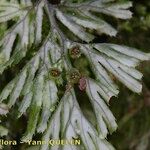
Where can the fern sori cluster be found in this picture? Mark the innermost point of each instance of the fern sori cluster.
(70, 32)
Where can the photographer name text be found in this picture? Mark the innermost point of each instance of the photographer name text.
(41, 142)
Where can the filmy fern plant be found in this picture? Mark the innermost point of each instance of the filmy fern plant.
(70, 30)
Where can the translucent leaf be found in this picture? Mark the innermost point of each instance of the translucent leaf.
(35, 108)
(17, 89)
(3, 131)
(118, 62)
(3, 109)
(76, 29)
(87, 20)
(126, 79)
(29, 28)
(9, 13)
(32, 68)
(76, 126)
(49, 101)
(7, 90)
(117, 10)
(131, 52)
(26, 102)
(100, 72)
(129, 61)
(39, 20)
(102, 111)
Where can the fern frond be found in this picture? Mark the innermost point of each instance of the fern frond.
(71, 123)
(28, 27)
(37, 85)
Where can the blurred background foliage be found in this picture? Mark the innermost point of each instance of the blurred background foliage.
(132, 111)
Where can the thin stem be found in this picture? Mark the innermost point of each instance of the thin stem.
(51, 11)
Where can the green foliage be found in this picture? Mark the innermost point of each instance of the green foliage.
(36, 88)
